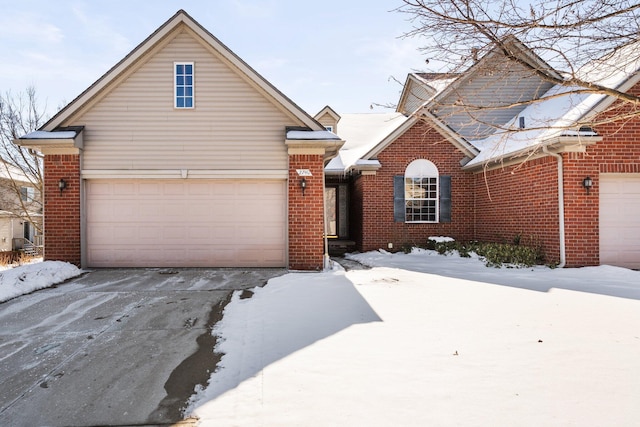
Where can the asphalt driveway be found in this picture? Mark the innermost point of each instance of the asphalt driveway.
(113, 347)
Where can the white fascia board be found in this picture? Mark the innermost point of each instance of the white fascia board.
(275, 174)
(558, 144)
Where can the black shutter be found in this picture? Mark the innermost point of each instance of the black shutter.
(445, 198)
(398, 198)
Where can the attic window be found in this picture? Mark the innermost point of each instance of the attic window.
(183, 79)
(329, 128)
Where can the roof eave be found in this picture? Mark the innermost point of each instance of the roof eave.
(557, 145)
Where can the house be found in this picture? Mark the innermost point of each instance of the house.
(554, 173)
(20, 216)
(182, 155)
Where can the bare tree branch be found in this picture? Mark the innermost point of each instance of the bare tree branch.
(19, 115)
(565, 35)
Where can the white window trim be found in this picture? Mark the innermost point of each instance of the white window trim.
(422, 168)
(27, 194)
(193, 85)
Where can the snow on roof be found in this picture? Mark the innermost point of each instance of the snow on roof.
(436, 81)
(441, 84)
(543, 120)
(362, 133)
(559, 109)
(312, 135)
(42, 134)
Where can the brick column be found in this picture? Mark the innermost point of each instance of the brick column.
(306, 213)
(62, 209)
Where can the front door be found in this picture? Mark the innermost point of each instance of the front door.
(337, 206)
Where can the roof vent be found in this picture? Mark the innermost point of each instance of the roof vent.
(521, 122)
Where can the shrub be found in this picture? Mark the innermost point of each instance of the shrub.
(498, 254)
(493, 254)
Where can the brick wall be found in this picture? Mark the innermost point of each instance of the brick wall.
(306, 213)
(62, 210)
(520, 200)
(373, 194)
(523, 199)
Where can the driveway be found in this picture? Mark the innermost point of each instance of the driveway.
(113, 347)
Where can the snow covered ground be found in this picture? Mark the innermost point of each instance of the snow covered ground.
(31, 277)
(419, 339)
(428, 340)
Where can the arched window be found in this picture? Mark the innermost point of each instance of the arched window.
(421, 191)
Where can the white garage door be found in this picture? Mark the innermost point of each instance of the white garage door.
(185, 223)
(620, 220)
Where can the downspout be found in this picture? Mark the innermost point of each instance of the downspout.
(563, 254)
(326, 259)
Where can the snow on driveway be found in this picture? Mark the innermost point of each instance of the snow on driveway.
(31, 277)
(428, 340)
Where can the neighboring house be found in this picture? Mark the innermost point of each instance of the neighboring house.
(183, 155)
(19, 206)
(435, 168)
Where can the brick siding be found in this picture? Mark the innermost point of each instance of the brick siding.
(306, 213)
(520, 200)
(62, 210)
(502, 204)
(524, 197)
(372, 196)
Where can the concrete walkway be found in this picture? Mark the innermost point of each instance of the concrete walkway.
(113, 347)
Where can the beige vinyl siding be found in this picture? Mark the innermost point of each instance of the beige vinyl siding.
(498, 86)
(233, 126)
(327, 120)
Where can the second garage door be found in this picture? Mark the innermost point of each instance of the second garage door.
(620, 220)
(185, 223)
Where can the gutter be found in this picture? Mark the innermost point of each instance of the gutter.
(563, 252)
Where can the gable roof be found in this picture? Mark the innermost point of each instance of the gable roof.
(181, 18)
(362, 133)
(419, 88)
(515, 48)
(330, 111)
(564, 113)
(368, 134)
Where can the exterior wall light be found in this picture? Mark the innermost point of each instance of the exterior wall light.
(303, 184)
(587, 183)
(62, 184)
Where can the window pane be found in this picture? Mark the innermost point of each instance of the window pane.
(180, 80)
(421, 196)
(188, 102)
(188, 69)
(180, 102)
(189, 80)
(189, 91)
(179, 69)
(180, 91)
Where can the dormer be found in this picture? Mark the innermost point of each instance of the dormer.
(328, 118)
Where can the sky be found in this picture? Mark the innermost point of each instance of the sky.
(346, 54)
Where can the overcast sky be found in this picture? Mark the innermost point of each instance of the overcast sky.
(341, 53)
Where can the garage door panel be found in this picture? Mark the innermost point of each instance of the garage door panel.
(203, 223)
(620, 220)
